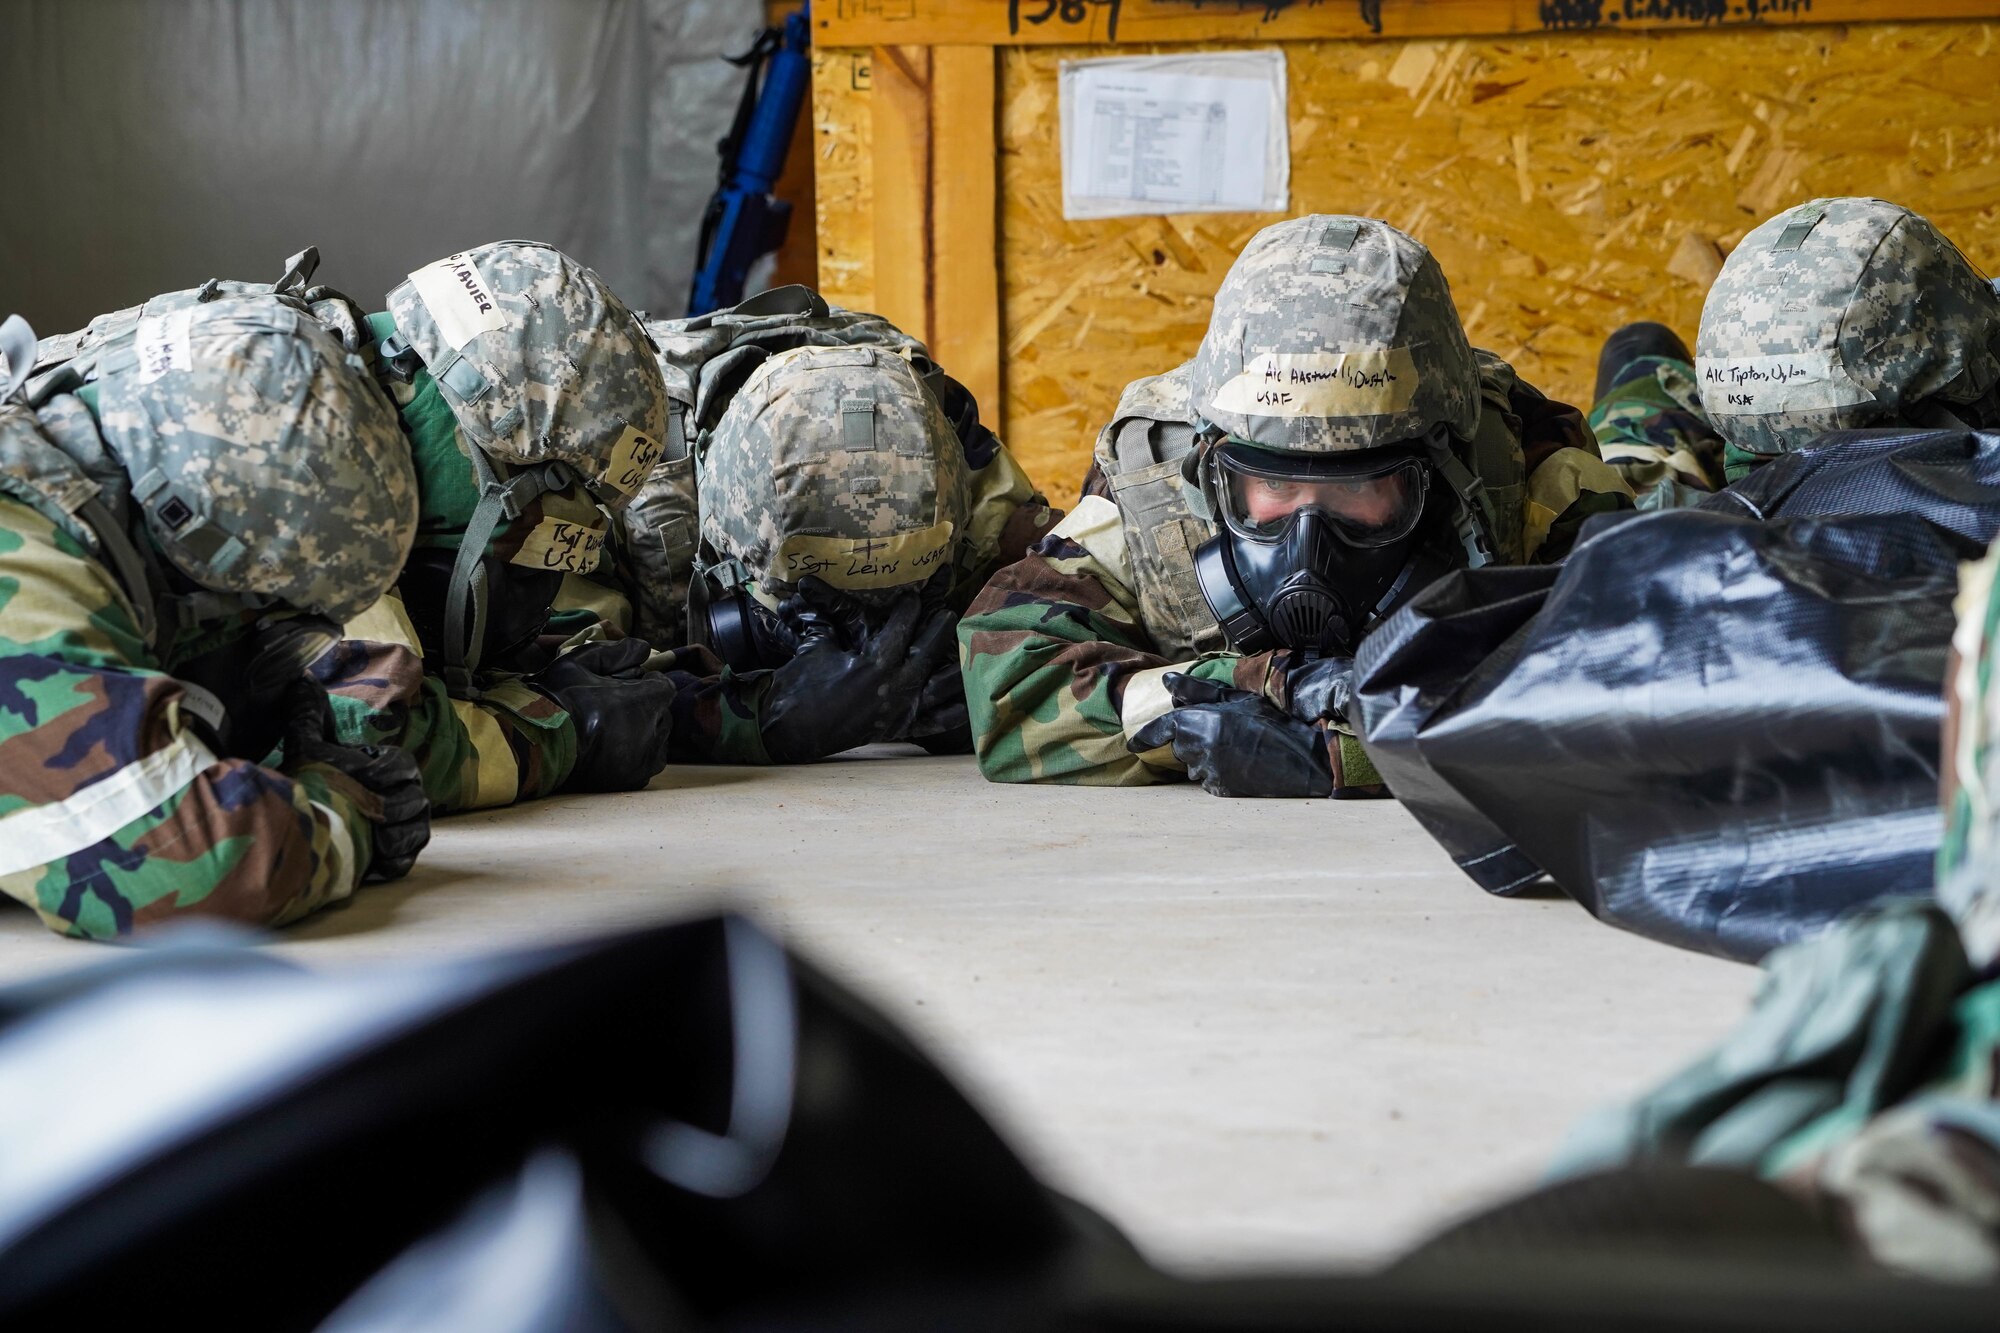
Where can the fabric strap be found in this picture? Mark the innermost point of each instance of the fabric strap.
(1472, 522)
(465, 603)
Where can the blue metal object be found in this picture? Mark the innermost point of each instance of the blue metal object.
(744, 221)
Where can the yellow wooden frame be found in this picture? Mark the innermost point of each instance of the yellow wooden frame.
(1047, 22)
(933, 113)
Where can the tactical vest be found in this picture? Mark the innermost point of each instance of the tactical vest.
(705, 360)
(1144, 455)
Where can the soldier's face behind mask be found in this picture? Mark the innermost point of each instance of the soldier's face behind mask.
(1374, 504)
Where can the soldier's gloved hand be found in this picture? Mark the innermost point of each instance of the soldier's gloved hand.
(853, 682)
(1236, 743)
(623, 713)
(241, 689)
(942, 723)
(1321, 689)
(387, 772)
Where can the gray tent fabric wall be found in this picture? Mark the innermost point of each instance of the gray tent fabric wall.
(155, 143)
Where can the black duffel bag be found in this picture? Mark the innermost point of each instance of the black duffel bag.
(1716, 727)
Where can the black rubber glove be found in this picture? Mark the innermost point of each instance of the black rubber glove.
(246, 684)
(1236, 743)
(853, 681)
(389, 773)
(942, 723)
(1321, 689)
(623, 713)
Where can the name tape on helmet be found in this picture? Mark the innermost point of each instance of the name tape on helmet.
(632, 459)
(865, 562)
(1365, 382)
(161, 344)
(459, 299)
(1749, 386)
(556, 543)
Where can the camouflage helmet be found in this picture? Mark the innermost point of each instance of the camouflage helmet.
(834, 461)
(265, 459)
(539, 362)
(1332, 334)
(1842, 313)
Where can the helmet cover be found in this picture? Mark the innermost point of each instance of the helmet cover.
(1837, 314)
(539, 361)
(837, 462)
(265, 458)
(1334, 333)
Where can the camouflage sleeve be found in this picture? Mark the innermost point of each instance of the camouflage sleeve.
(586, 602)
(1008, 515)
(718, 714)
(1568, 487)
(513, 744)
(1650, 426)
(1059, 668)
(113, 812)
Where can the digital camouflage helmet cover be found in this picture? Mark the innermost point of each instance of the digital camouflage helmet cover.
(1332, 334)
(836, 462)
(1843, 313)
(267, 462)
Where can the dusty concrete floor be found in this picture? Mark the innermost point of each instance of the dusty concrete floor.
(1261, 1033)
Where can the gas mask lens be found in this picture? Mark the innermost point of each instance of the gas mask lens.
(1373, 503)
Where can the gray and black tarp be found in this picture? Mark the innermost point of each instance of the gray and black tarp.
(686, 1127)
(1717, 727)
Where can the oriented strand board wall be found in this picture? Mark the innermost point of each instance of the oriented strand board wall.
(1568, 184)
(844, 207)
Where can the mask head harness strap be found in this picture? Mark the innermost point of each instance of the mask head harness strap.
(466, 603)
(1472, 517)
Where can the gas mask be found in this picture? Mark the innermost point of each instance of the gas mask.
(516, 602)
(1314, 548)
(725, 617)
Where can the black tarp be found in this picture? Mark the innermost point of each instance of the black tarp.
(687, 1128)
(1717, 727)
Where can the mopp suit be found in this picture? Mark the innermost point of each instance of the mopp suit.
(191, 494)
(839, 507)
(534, 409)
(1331, 338)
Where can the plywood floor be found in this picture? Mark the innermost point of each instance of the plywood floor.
(1255, 1033)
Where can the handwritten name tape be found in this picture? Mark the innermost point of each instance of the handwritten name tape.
(866, 562)
(556, 543)
(1748, 386)
(1365, 382)
(631, 462)
(162, 344)
(459, 299)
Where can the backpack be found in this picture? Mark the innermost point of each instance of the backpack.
(705, 360)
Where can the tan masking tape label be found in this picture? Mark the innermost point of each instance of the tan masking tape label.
(632, 460)
(1368, 382)
(459, 299)
(865, 562)
(1752, 386)
(557, 543)
(161, 344)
